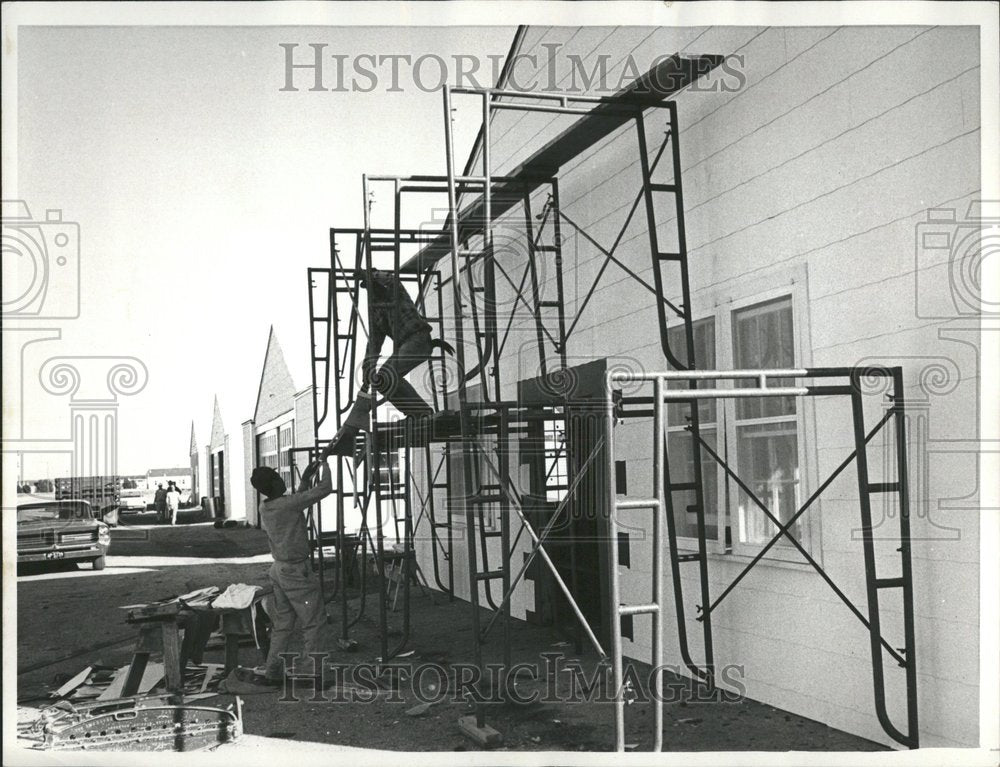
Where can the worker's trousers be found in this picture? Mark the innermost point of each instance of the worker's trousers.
(297, 602)
(390, 380)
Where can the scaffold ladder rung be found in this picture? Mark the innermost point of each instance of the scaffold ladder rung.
(682, 487)
(486, 498)
(889, 583)
(883, 487)
(488, 575)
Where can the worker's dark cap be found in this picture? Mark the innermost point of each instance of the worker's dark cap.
(267, 481)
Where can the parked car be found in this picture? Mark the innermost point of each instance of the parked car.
(61, 530)
(131, 501)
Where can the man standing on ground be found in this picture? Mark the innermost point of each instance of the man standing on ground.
(173, 502)
(160, 504)
(297, 596)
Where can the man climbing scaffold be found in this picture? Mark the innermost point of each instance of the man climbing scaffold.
(393, 314)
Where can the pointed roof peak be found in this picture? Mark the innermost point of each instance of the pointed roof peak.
(218, 438)
(277, 389)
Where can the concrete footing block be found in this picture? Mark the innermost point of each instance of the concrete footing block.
(485, 736)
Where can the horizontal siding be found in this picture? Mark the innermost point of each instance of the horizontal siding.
(821, 167)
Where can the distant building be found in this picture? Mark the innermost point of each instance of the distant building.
(193, 453)
(219, 463)
(181, 476)
(282, 428)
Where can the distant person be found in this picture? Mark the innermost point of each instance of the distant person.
(173, 502)
(297, 596)
(160, 503)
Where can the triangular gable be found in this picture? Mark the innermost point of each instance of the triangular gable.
(193, 449)
(218, 432)
(276, 392)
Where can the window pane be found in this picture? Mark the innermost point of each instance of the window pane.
(704, 355)
(556, 472)
(681, 464)
(763, 339)
(769, 465)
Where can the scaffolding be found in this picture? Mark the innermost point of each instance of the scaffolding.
(481, 441)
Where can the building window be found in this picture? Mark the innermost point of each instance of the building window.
(758, 437)
(389, 473)
(767, 443)
(284, 453)
(267, 449)
(556, 472)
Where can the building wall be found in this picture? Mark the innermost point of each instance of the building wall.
(297, 411)
(305, 419)
(812, 179)
(249, 458)
(183, 481)
(233, 458)
(195, 483)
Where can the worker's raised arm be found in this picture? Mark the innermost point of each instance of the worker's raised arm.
(307, 496)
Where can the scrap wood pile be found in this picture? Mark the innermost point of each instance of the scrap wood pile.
(98, 682)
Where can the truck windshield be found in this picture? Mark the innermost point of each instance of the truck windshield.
(51, 512)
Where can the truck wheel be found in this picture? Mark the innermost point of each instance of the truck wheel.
(98, 563)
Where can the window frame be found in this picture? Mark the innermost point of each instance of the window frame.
(726, 299)
(804, 419)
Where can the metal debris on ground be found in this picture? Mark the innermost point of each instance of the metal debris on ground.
(90, 712)
(145, 723)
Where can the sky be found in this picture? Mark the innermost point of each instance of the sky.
(203, 191)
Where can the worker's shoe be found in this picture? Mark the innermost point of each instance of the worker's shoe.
(359, 418)
(244, 681)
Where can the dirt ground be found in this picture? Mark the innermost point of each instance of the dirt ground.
(69, 619)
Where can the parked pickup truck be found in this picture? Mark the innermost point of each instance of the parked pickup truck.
(61, 530)
(131, 501)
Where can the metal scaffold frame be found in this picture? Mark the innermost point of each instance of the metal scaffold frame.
(772, 383)
(335, 336)
(621, 109)
(485, 427)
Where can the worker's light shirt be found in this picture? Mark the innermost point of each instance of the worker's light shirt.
(285, 524)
